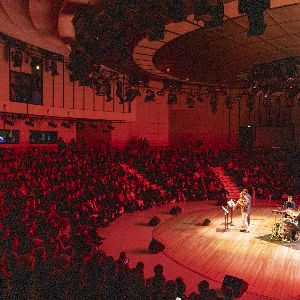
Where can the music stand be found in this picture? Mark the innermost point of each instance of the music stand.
(231, 204)
(226, 212)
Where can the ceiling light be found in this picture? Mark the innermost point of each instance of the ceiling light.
(160, 92)
(150, 96)
(172, 98)
(16, 58)
(254, 9)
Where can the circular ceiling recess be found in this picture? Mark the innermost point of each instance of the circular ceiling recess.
(222, 54)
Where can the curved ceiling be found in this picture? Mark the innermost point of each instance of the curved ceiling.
(188, 51)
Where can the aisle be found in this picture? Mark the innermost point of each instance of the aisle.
(229, 184)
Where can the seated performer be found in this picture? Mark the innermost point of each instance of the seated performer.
(289, 204)
(244, 204)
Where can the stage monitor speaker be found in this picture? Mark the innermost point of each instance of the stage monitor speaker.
(238, 285)
(154, 221)
(206, 222)
(155, 246)
(175, 210)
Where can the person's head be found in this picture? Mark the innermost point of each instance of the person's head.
(228, 292)
(158, 269)
(290, 198)
(140, 266)
(203, 286)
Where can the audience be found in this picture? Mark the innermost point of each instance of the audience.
(52, 204)
(267, 174)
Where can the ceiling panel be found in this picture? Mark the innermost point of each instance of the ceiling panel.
(292, 27)
(286, 41)
(273, 32)
(293, 51)
(285, 14)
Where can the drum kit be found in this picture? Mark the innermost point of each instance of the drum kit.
(282, 229)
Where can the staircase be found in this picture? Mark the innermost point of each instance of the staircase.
(229, 184)
(130, 170)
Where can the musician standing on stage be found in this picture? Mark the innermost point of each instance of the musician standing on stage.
(244, 204)
(249, 200)
(289, 204)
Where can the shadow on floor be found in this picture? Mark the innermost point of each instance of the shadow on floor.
(292, 245)
(140, 251)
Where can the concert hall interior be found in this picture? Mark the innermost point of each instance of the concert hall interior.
(149, 150)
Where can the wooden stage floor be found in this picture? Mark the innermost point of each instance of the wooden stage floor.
(197, 252)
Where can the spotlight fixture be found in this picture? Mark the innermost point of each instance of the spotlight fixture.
(9, 122)
(94, 126)
(108, 95)
(172, 98)
(200, 98)
(229, 102)
(17, 58)
(201, 8)
(214, 103)
(119, 92)
(29, 123)
(131, 93)
(217, 15)
(79, 126)
(35, 64)
(65, 124)
(150, 96)
(160, 92)
(53, 68)
(254, 9)
(52, 124)
(190, 100)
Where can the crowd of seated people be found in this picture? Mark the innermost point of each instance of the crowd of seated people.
(186, 173)
(51, 206)
(266, 174)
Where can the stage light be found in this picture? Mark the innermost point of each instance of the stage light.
(29, 123)
(53, 68)
(108, 95)
(17, 58)
(190, 100)
(229, 102)
(65, 124)
(214, 103)
(150, 96)
(217, 15)
(201, 8)
(9, 122)
(176, 11)
(52, 124)
(254, 9)
(160, 93)
(172, 98)
(35, 64)
(131, 93)
(119, 92)
(200, 98)
(94, 126)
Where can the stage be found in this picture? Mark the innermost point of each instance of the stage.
(197, 252)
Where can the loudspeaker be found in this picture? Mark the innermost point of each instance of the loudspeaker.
(206, 222)
(175, 210)
(155, 246)
(154, 221)
(238, 285)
